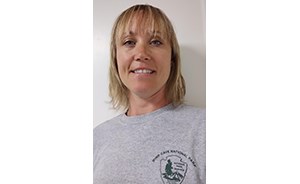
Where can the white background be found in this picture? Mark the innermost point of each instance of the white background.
(188, 20)
(46, 102)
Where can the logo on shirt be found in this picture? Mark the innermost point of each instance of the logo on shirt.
(173, 165)
(172, 169)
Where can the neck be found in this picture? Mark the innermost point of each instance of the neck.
(139, 106)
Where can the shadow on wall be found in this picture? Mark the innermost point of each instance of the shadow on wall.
(194, 72)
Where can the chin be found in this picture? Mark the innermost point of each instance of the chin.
(145, 91)
(142, 88)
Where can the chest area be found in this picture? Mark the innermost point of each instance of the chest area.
(146, 155)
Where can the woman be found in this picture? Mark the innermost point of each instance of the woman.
(158, 139)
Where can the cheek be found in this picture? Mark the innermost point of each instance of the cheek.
(168, 70)
(122, 61)
(167, 63)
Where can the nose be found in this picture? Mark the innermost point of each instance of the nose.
(141, 53)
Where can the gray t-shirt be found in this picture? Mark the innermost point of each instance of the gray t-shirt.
(166, 146)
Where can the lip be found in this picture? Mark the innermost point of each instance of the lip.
(146, 71)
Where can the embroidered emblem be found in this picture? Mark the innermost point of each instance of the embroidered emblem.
(173, 169)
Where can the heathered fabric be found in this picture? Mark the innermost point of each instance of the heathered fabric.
(164, 146)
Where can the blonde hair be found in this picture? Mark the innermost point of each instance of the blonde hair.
(158, 21)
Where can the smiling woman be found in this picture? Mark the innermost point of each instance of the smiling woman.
(144, 62)
(158, 138)
(142, 34)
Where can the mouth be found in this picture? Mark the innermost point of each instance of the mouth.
(142, 71)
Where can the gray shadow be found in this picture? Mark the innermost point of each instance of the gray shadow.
(193, 64)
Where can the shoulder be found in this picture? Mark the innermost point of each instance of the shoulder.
(189, 111)
(104, 129)
(186, 115)
(108, 124)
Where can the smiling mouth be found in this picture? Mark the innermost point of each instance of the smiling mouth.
(142, 71)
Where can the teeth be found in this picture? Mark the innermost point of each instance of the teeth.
(143, 71)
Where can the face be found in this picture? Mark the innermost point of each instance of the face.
(144, 61)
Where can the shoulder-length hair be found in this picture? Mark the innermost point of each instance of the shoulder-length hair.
(158, 22)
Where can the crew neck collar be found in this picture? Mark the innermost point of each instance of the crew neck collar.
(145, 117)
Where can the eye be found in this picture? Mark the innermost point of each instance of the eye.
(129, 43)
(155, 42)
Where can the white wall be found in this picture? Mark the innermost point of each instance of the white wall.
(188, 18)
